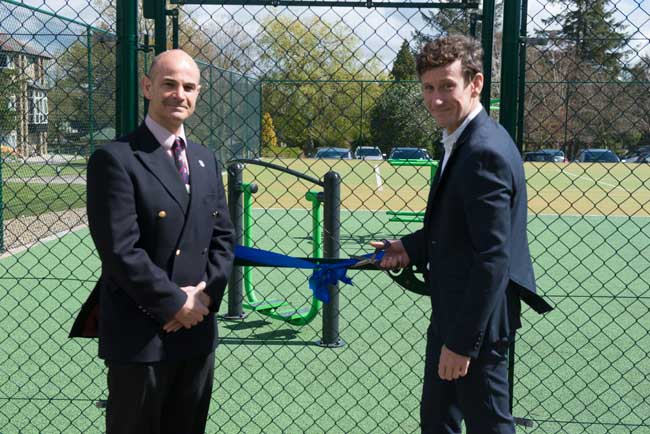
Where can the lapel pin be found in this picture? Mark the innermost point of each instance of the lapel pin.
(201, 163)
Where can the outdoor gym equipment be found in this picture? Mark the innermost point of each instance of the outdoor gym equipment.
(274, 308)
(330, 198)
(411, 216)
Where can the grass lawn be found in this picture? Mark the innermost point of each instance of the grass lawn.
(15, 169)
(27, 199)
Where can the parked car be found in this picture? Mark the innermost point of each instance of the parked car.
(558, 156)
(368, 153)
(403, 153)
(639, 158)
(539, 156)
(336, 153)
(597, 156)
(547, 155)
(635, 152)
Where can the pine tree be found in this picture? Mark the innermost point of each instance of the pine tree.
(404, 65)
(591, 33)
(269, 139)
(444, 22)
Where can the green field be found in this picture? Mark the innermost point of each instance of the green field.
(28, 199)
(17, 169)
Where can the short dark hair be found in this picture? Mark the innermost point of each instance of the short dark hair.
(448, 49)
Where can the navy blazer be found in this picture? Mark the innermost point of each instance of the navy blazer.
(152, 238)
(473, 247)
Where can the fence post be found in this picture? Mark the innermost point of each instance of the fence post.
(127, 66)
(331, 243)
(236, 208)
(487, 36)
(91, 116)
(160, 26)
(510, 66)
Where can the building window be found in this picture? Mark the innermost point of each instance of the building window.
(5, 61)
(12, 103)
(38, 110)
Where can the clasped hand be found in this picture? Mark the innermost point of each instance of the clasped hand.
(193, 311)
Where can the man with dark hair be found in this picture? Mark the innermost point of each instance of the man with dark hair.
(158, 216)
(472, 249)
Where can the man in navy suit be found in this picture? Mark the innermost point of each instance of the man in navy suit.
(472, 249)
(158, 217)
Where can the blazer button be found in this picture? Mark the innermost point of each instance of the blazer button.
(178, 252)
(428, 266)
(204, 251)
(162, 214)
(215, 213)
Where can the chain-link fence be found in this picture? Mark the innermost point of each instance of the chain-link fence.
(307, 87)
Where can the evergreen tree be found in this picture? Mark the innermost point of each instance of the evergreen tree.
(404, 65)
(269, 139)
(590, 33)
(444, 22)
(399, 118)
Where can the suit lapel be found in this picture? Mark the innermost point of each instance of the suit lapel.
(197, 173)
(437, 180)
(157, 161)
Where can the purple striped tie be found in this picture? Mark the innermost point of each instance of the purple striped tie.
(181, 165)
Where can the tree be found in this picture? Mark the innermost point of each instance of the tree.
(444, 21)
(404, 65)
(269, 139)
(590, 33)
(311, 86)
(73, 96)
(399, 118)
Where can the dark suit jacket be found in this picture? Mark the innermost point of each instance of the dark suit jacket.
(152, 238)
(475, 243)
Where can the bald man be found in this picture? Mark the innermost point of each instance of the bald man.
(158, 217)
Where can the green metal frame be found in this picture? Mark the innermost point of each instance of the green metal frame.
(127, 67)
(326, 3)
(510, 66)
(412, 216)
(271, 308)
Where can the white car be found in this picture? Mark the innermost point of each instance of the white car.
(368, 153)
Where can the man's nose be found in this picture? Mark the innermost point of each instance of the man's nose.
(179, 92)
(435, 100)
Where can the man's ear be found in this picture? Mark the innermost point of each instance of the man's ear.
(146, 87)
(477, 84)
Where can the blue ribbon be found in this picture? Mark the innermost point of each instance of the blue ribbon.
(323, 275)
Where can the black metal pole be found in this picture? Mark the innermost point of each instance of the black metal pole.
(236, 207)
(487, 36)
(331, 243)
(523, 43)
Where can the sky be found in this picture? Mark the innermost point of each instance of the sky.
(380, 30)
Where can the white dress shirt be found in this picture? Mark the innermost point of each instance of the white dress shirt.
(449, 140)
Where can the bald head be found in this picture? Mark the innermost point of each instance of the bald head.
(172, 87)
(171, 57)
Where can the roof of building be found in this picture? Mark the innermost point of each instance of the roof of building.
(9, 44)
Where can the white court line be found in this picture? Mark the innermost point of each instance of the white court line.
(592, 179)
(378, 179)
